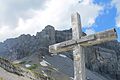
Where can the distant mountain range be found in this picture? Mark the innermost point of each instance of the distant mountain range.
(102, 60)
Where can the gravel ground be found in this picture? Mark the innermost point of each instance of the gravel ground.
(9, 76)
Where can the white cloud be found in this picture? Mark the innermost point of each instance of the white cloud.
(117, 5)
(56, 13)
(11, 10)
(59, 14)
(7, 32)
(89, 31)
(91, 21)
(118, 22)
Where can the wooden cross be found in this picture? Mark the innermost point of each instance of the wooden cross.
(78, 43)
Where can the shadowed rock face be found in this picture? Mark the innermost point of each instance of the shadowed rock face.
(103, 58)
(18, 72)
(9, 67)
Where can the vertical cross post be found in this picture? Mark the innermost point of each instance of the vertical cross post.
(78, 51)
(78, 43)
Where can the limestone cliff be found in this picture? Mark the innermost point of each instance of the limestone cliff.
(103, 59)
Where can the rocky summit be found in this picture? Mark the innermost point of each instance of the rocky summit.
(31, 56)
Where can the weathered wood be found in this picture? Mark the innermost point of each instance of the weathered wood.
(78, 42)
(78, 51)
(68, 45)
(76, 26)
(89, 40)
(79, 63)
(101, 37)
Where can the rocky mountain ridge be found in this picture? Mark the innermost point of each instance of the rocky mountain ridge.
(103, 58)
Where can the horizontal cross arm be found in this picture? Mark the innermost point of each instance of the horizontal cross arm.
(89, 40)
(68, 45)
(101, 37)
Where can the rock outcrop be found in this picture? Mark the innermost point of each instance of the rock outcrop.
(19, 71)
(103, 58)
(8, 66)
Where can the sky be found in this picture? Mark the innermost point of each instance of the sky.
(31, 16)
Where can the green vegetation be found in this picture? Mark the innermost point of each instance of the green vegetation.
(34, 66)
(1, 78)
(23, 62)
(41, 76)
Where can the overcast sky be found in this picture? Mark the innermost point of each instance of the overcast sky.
(31, 16)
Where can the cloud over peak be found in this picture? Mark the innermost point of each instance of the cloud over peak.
(11, 10)
(30, 16)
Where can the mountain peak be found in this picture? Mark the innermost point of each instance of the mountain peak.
(49, 27)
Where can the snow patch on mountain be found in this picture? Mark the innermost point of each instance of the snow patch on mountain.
(27, 65)
(64, 56)
(44, 63)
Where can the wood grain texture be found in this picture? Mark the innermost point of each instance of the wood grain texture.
(78, 43)
(78, 51)
(89, 40)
